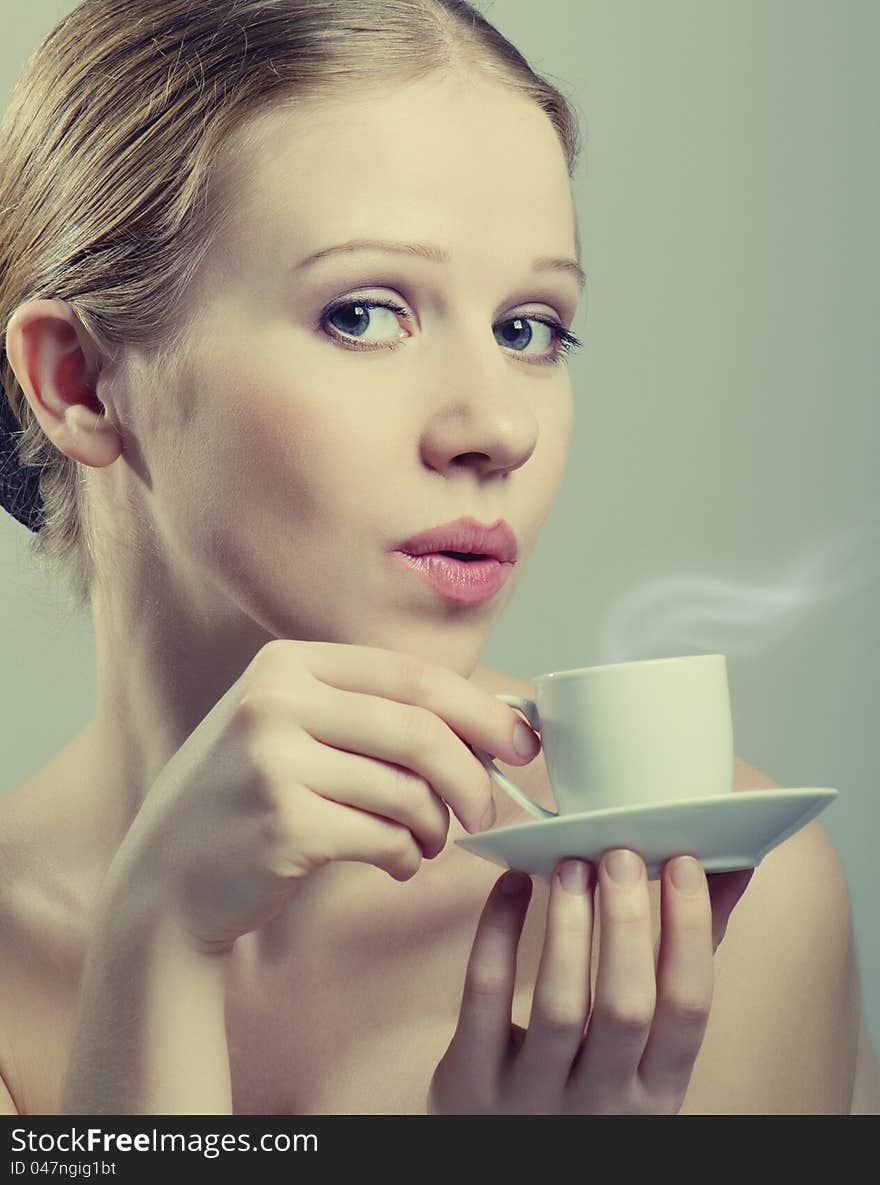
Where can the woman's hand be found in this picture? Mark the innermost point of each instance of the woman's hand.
(320, 751)
(637, 1053)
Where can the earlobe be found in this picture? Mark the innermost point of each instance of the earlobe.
(87, 436)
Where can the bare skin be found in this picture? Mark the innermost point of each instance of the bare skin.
(296, 1045)
(242, 496)
(242, 492)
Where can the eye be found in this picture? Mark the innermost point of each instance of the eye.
(356, 316)
(561, 340)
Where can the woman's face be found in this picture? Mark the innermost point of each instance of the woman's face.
(295, 449)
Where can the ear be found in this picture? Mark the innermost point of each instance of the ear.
(57, 367)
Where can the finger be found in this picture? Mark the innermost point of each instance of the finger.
(388, 790)
(623, 1005)
(400, 734)
(321, 830)
(561, 997)
(480, 1043)
(685, 975)
(476, 716)
(726, 890)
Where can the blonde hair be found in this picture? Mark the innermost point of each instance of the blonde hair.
(111, 147)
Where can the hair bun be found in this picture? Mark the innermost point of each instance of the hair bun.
(19, 484)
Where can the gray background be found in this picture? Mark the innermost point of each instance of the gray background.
(722, 492)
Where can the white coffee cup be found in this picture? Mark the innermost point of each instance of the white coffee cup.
(653, 731)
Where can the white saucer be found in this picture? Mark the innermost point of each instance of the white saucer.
(734, 830)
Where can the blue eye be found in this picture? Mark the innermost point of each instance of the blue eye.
(358, 319)
(563, 340)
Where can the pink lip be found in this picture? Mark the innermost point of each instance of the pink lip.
(465, 582)
(465, 535)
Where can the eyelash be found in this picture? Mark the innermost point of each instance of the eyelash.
(565, 340)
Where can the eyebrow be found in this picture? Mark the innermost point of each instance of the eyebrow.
(436, 255)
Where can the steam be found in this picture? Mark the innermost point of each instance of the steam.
(694, 613)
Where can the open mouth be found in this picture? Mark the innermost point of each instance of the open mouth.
(467, 556)
(465, 577)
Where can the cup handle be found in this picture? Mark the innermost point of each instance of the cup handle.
(530, 711)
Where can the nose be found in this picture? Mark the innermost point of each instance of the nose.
(481, 415)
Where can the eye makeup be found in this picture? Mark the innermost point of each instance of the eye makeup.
(564, 341)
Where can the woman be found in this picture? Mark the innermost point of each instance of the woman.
(236, 890)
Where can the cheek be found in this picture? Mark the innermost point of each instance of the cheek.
(564, 438)
(298, 448)
(554, 441)
(225, 449)
(279, 460)
(564, 417)
(264, 457)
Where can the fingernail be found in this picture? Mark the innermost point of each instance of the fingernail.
(513, 884)
(490, 816)
(573, 876)
(687, 875)
(623, 867)
(525, 741)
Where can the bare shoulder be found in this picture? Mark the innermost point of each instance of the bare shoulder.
(783, 1032)
(786, 1032)
(17, 856)
(34, 871)
(798, 903)
(42, 929)
(25, 876)
(13, 935)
